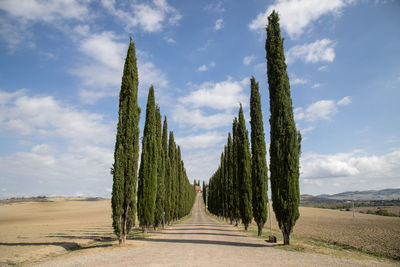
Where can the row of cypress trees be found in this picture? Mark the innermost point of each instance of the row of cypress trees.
(163, 188)
(238, 189)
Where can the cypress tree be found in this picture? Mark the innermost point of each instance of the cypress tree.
(167, 177)
(259, 171)
(284, 148)
(171, 175)
(235, 177)
(204, 193)
(244, 171)
(230, 188)
(126, 154)
(160, 198)
(147, 185)
(180, 184)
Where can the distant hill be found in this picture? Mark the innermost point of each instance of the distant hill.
(385, 194)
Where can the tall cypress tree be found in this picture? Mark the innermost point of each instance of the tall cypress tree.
(160, 199)
(171, 175)
(284, 148)
(147, 185)
(126, 155)
(167, 176)
(230, 188)
(235, 177)
(259, 171)
(244, 171)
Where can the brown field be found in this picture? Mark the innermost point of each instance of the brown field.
(370, 233)
(31, 231)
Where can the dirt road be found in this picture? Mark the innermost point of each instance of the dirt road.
(202, 241)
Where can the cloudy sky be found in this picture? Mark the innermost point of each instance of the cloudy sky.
(61, 64)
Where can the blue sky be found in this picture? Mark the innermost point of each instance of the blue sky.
(61, 64)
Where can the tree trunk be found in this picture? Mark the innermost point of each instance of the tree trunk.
(260, 227)
(286, 237)
(144, 228)
(122, 240)
(246, 226)
(236, 222)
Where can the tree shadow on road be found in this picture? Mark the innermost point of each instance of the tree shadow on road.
(69, 246)
(206, 242)
(183, 233)
(199, 229)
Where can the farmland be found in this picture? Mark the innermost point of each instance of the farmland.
(36, 231)
(379, 235)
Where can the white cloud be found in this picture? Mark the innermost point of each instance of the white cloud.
(19, 17)
(203, 163)
(82, 30)
(69, 148)
(45, 116)
(297, 80)
(296, 15)
(148, 17)
(199, 120)
(205, 140)
(317, 111)
(316, 85)
(320, 110)
(247, 60)
(355, 164)
(218, 24)
(47, 11)
(223, 95)
(101, 68)
(344, 101)
(206, 67)
(323, 68)
(319, 51)
(150, 74)
(170, 40)
(307, 130)
(202, 68)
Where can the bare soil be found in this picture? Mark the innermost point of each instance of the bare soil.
(379, 235)
(203, 241)
(74, 232)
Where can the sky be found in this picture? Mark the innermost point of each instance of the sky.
(61, 65)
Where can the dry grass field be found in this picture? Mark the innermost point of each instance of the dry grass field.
(31, 231)
(34, 231)
(374, 234)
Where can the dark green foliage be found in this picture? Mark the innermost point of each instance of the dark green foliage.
(147, 180)
(204, 192)
(123, 201)
(284, 147)
(259, 171)
(160, 198)
(244, 171)
(172, 175)
(229, 181)
(235, 178)
(167, 177)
